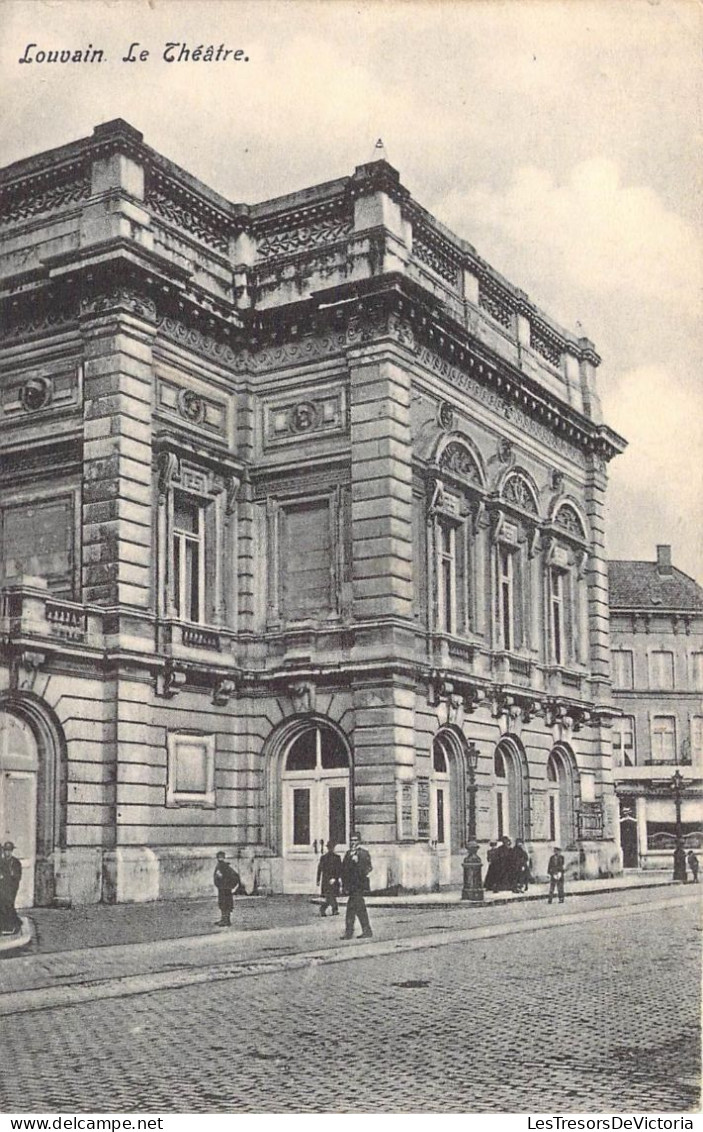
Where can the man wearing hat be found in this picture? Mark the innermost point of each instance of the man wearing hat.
(555, 869)
(227, 882)
(10, 877)
(356, 867)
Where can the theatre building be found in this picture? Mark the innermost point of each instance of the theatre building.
(656, 625)
(301, 530)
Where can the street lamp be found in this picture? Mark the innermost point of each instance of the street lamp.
(473, 885)
(677, 784)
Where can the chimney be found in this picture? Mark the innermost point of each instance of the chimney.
(664, 560)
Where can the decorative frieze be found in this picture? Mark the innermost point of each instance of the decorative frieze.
(494, 400)
(119, 299)
(436, 254)
(46, 192)
(288, 420)
(290, 240)
(40, 391)
(546, 344)
(177, 204)
(495, 303)
(191, 406)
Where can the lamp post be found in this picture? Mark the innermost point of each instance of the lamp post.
(473, 885)
(677, 785)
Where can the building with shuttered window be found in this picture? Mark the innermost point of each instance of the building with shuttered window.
(302, 530)
(656, 619)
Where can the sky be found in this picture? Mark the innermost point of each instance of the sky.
(560, 137)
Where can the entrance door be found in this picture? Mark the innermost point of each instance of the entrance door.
(316, 804)
(18, 798)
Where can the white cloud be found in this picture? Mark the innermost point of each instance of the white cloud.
(656, 486)
(603, 235)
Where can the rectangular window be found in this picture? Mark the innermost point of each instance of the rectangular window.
(506, 583)
(624, 741)
(423, 809)
(440, 817)
(191, 769)
(697, 671)
(661, 669)
(556, 586)
(188, 558)
(697, 739)
(305, 560)
(446, 573)
(663, 739)
(623, 674)
(36, 539)
(301, 817)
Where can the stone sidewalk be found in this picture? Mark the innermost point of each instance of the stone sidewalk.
(102, 925)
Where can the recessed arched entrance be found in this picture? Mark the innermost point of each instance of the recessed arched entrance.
(562, 795)
(510, 790)
(448, 785)
(310, 797)
(19, 765)
(32, 755)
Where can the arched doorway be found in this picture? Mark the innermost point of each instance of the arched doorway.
(19, 766)
(315, 800)
(560, 797)
(448, 798)
(510, 791)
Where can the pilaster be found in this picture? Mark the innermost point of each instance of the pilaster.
(118, 331)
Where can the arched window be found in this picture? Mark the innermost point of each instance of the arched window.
(560, 797)
(510, 791)
(316, 793)
(448, 790)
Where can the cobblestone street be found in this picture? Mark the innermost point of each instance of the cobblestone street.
(590, 1016)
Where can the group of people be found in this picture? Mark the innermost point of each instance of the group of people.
(508, 867)
(334, 876)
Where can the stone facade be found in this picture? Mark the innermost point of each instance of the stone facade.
(302, 518)
(656, 615)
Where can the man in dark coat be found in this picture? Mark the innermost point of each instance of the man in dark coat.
(555, 869)
(356, 867)
(692, 861)
(489, 878)
(227, 882)
(329, 877)
(10, 877)
(680, 863)
(520, 867)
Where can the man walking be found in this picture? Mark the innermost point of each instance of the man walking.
(555, 869)
(356, 867)
(10, 877)
(227, 882)
(329, 876)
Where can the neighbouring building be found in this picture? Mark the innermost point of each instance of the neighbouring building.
(656, 626)
(302, 528)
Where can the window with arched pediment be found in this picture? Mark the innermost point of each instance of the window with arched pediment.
(456, 498)
(565, 588)
(568, 520)
(459, 461)
(518, 491)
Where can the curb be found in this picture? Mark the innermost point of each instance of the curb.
(125, 986)
(399, 902)
(9, 945)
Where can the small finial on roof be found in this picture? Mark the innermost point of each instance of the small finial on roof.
(379, 151)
